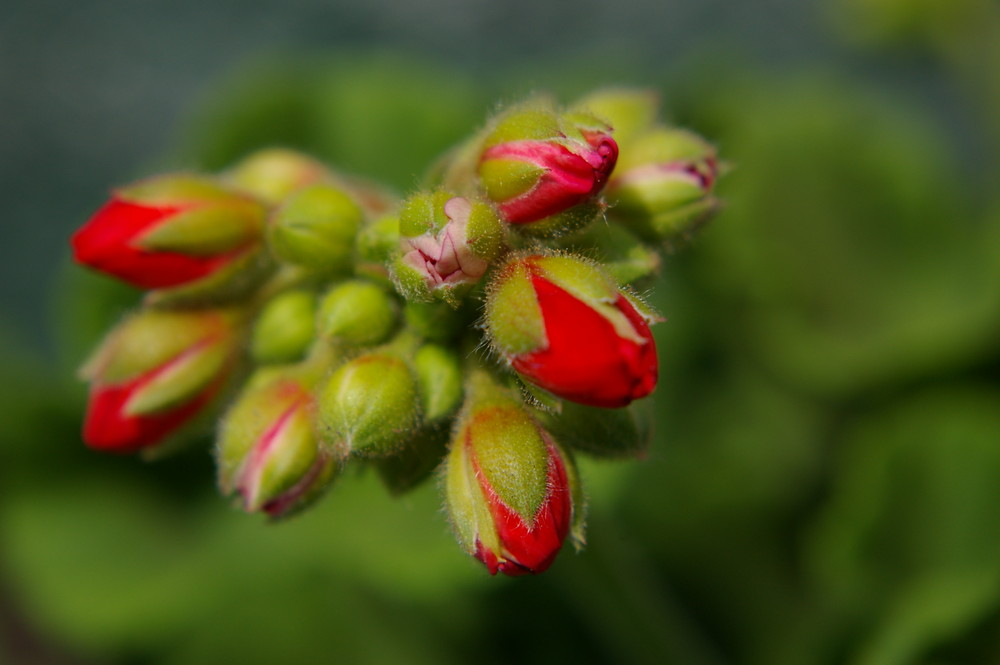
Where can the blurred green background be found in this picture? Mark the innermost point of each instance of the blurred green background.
(825, 482)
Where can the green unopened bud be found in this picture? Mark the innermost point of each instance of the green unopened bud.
(508, 484)
(315, 228)
(273, 174)
(663, 187)
(357, 312)
(155, 372)
(285, 328)
(439, 376)
(268, 446)
(370, 406)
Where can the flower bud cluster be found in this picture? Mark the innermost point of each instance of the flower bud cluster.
(483, 326)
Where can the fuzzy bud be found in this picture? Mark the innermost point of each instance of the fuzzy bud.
(155, 372)
(172, 231)
(565, 326)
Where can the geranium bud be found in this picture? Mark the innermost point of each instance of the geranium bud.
(508, 486)
(535, 164)
(154, 373)
(446, 244)
(267, 448)
(315, 228)
(370, 406)
(565, 326)
(377, 245)
(274, 173)
(171, 231)
(357, 312)
(285, 328)
(663, 186)
(439, 378)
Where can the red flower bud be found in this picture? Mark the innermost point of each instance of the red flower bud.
(153, 374)
(169, 231)
(536, 164)
(563, 325)
(510, 488)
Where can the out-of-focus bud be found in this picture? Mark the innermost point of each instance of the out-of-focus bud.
(508, 485)
(315, 228)
(565, 326)
(285, 328)
(664, 183)
(377, 244)
(171, 231)
(370, 406)
(154, 373)
(358, 313)
(446, 245)
(536, 164)
(268, 448)
(629, 110)
(439, 377)
(273, 174)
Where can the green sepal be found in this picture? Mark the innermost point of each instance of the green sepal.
(534, 120)
(505, 179)
(207, 230)
(514, 319)
(184, 378)
(507, 444)
(423, 213)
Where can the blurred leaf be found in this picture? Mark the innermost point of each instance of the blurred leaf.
(114, 566)
(850, 255)
(907, 546)
(735, 460)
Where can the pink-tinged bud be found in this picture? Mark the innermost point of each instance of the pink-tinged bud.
(536, 163)
(565, 326)
(664, 187)
(446, 243)
(509, 487)
(171, 231)
(154, 373)
(268, 447)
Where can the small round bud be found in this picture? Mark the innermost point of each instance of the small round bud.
(370, 406)
(357, 312)
(315, 229)
(285, 328)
